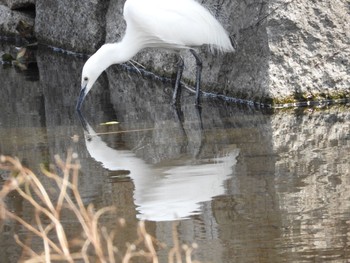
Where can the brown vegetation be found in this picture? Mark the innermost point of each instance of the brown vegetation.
(96, 242)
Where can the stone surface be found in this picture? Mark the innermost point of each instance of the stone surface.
(9, 20)
(72, 25)
(286, 50)
(241, 74)
(309, 48)
(17, 4)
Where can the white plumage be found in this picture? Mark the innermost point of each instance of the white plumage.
(173, 24)
(170, 24)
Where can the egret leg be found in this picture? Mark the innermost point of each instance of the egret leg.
(202, 136)
(177, 89)
(198, 76)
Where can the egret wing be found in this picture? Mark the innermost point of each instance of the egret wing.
(174, 24)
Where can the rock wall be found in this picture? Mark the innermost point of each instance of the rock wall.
(242, 74)
(309, 49)
(72, 25)
(287, 51)
(9, 19)
(18, 4)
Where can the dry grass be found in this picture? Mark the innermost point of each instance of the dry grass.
(97, 244)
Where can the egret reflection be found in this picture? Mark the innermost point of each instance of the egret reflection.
(164, 192)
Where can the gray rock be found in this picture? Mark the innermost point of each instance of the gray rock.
(9, 20)
(239, 74)
(17, 4)
(286, 51)
(73, 25)
(309, 49)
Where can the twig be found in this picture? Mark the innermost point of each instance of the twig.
(175, 251)
(84, 251)
(96, 237)
(129, 253)
(32, 229)
(59, 228)
(44, 233)
(109, 239)
(95, 233)
(148, 241)
(54, 257)
(25, 247)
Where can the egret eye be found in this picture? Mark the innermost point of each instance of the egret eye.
(86, 78)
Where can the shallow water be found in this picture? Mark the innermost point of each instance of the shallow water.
(246, 185)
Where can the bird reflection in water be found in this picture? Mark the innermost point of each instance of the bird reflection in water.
(164, 193)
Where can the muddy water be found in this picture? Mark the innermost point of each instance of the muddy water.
(246, 185)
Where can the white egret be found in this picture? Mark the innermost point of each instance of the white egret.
(169, 24)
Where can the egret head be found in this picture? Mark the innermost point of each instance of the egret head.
(91, 71)
(107, 55)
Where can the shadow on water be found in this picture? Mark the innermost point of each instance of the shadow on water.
(249, 186)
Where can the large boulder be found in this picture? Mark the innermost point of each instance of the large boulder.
(9, 20)
(309, 49)
(241, 74)
(72, 25)
(286, 51)
(18, 4)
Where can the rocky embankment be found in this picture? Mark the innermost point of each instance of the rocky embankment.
(287, 51)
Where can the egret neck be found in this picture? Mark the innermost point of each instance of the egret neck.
(106, 56)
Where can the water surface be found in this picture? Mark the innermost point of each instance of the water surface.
(246, 185)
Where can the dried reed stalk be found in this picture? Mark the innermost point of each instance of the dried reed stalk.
(27, 184)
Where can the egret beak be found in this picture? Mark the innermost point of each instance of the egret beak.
(81, 98)
(82, 120)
